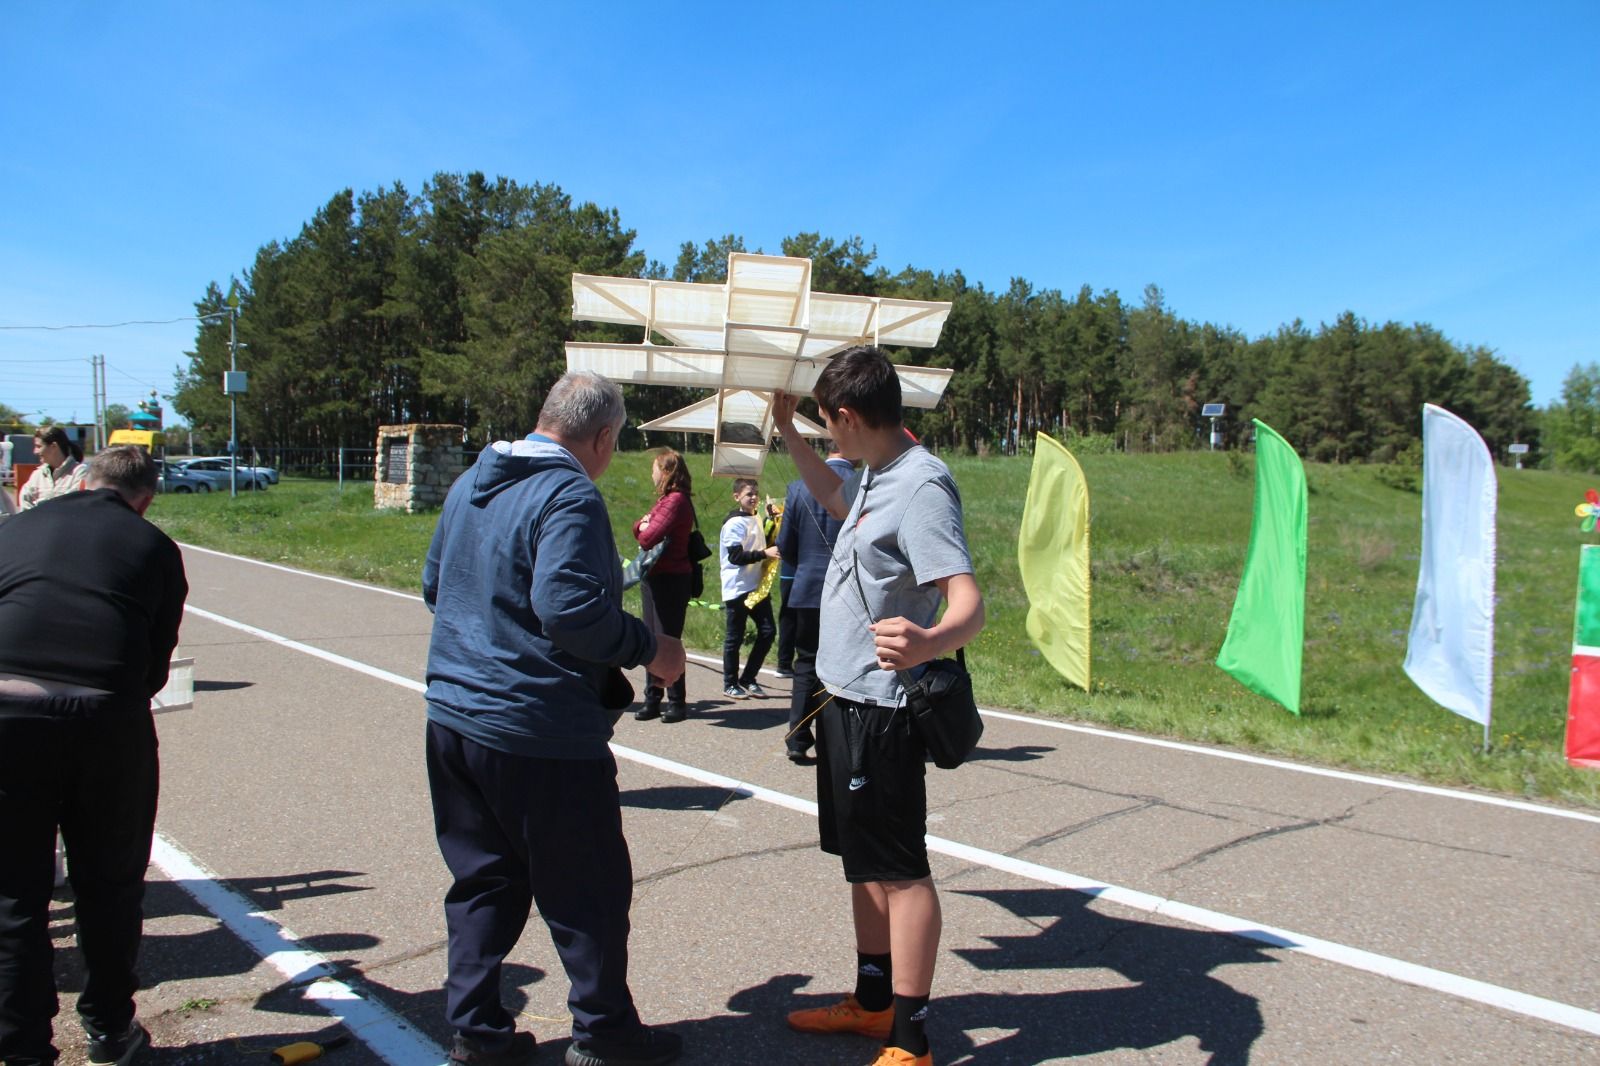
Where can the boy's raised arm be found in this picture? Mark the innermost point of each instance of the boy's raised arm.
(824, 484)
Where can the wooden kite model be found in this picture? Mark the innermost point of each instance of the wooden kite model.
(760, 331)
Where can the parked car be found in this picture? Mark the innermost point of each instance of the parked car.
(261, 473)
(171, 478)
(215, 471)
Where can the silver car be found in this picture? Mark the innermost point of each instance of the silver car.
(215, 471)
(261, 473)
(170, 478)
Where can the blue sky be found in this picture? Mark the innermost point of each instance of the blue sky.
(1260, 162)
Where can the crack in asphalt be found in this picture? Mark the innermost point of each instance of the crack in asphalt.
(1334, 821)
(755, 853)
(1530, 860)
(1088, 823)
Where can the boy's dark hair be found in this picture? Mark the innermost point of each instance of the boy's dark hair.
(124, 467)
(862, 379)
(741, 482)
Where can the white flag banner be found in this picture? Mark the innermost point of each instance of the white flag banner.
(1450, 653)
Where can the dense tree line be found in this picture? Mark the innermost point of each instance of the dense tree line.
(452, 306)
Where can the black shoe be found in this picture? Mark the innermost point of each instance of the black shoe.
(785, 672)
(676, 712)
(800, 758)
(470, 1051)
(121, 1050)
(753, 690)
(647, 1047)
(647, 712)
(735, 692)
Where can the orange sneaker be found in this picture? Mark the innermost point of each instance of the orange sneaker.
(846, 1016)
(893, 1056)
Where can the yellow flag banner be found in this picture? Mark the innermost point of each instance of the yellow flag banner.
(1053, 555)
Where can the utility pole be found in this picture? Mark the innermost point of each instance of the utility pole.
(233, 383)
(233, 399)
(97, 390)
(94, 393)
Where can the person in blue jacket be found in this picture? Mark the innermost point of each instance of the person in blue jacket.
(524, 684)
(805, 541)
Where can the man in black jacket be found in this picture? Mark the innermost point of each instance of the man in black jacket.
(91, 596)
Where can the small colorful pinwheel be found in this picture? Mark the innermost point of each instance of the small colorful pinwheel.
(1589, 511)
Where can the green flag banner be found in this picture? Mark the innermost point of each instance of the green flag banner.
(1266, 635)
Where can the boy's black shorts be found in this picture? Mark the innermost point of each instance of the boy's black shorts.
(877, 828)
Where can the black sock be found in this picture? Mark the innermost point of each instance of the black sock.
(910, 1012)
(874, 988)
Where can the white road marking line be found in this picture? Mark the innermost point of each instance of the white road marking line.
(380, 1029)
(1382, 965)
(1109, 734)
(303, 573)
(1316, 771)
(327, 656)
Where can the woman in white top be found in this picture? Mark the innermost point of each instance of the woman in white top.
(61, 468)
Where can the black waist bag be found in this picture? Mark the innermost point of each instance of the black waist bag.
(944, 712)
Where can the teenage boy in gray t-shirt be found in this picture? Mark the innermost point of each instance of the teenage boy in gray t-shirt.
(900, 554)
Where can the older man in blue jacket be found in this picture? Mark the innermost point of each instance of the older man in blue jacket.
(529, 638)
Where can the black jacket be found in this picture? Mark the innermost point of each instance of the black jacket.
(90, 594)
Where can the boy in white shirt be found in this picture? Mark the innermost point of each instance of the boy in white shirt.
(744, 552)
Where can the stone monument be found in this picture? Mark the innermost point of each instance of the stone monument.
(417, 464)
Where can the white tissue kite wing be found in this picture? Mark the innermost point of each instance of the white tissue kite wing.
(760, 331)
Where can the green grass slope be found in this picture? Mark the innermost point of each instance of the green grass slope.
(1167, 545)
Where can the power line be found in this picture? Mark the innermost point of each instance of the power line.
(133, 379)
(119, 325)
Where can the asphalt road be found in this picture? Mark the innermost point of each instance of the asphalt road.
(1106, 900)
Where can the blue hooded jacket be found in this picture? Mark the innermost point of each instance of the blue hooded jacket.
(525, 585)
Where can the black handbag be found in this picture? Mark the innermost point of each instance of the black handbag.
(944, 711)
(699, 551)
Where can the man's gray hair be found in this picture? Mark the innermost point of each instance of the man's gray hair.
(581, 404)
(124, 467)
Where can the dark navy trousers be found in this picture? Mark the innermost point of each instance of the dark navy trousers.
(517, 831)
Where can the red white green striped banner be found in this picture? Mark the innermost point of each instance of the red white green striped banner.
(1583, 702)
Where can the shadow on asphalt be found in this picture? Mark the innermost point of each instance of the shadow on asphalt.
(424, 1010)
(168, 1033)
(680, 798)
(1173, 993)
(1020, 753)
(270, 893)
(221, 686)
(1170, 993)
(742, 715)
